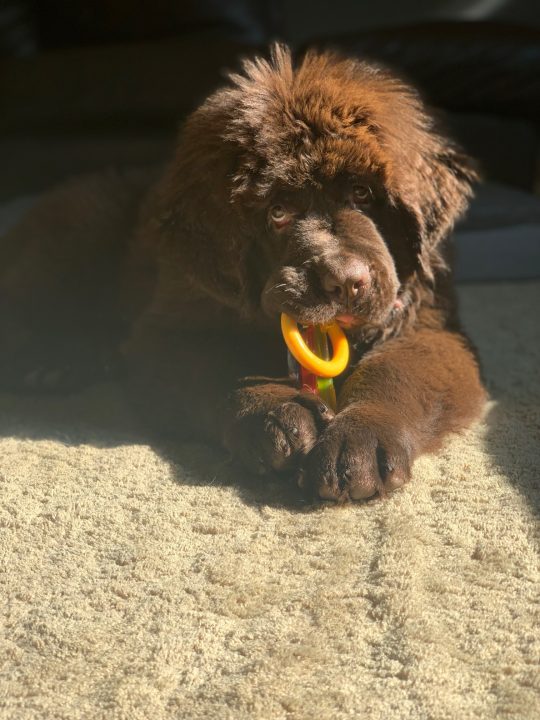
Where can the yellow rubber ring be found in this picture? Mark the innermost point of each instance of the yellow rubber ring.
(300, 351)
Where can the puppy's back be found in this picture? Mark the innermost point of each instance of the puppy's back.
(59, 273)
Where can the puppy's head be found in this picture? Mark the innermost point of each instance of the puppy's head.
(321, 190)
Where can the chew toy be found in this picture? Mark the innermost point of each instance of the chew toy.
(309, 358)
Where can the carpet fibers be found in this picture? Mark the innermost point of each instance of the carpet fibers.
(140, 582)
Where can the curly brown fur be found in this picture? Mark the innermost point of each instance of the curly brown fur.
(323, 190)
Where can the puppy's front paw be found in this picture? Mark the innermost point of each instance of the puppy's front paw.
(358, 455)
(274, 427)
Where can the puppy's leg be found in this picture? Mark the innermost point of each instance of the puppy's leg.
(400, 402)
(196, 384)
(273, 427)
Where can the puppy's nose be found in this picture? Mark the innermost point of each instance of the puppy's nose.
(346, 282)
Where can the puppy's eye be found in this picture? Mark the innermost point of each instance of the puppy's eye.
(278, 212)
(362, 196)
(279, 215)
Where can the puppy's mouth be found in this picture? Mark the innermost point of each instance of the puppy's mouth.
(348, 321)
(321, 312)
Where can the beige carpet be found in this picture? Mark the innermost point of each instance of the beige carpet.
(138, 583)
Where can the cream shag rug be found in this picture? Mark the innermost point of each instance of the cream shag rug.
(152, 583)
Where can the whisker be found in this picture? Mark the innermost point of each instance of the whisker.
(275, 287)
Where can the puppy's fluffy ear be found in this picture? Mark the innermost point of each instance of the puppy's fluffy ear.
(194, 218)
(445, 187)
(435, 192)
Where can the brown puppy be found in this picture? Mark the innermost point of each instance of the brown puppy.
(323, 191)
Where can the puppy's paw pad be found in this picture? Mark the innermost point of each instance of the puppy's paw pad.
(355, 459)
(290, 431)
(280, 437)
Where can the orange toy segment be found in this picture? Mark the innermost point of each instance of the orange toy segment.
(302, 354)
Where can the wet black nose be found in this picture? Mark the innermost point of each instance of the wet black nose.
(346, 280)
